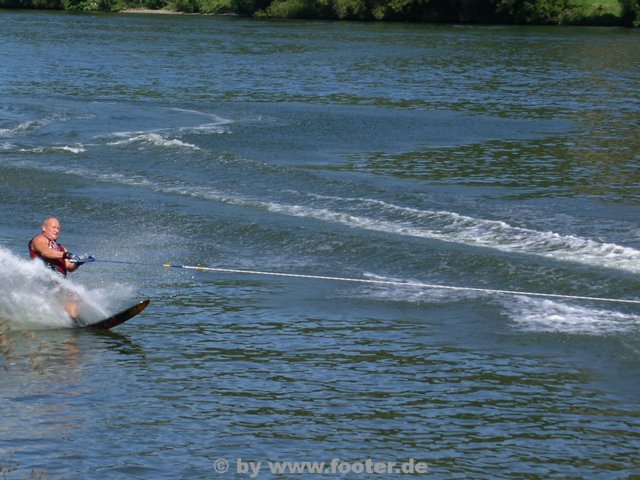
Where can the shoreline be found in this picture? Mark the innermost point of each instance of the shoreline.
(165, 11)
(606, 20)
(154, 12)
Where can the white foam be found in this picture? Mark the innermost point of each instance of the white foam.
(151, 138)
(543, 315)
(22, 127)
(413, 291)
(32, 295)
(218, 121)
(6, 147)
(160, 137)
(452, 227)
(206, 128)
(499, 235)
(61, 148)
(68, 148)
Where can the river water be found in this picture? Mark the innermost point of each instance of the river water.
(495, 158)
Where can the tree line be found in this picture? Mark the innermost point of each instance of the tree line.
(540, 12)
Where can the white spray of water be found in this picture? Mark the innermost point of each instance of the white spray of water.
(23, 127)
(151, 138)
(34, 296)
(544, 315)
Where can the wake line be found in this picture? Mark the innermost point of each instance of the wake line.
(457, 228)
(446, 226)
(154, 139)
(552, 316)
(499, 235)
(510, 239)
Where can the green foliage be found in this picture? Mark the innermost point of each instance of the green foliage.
(630, 12)
(88, 5)
(291, 9)
(36, 4)
(153, 4)
(573, 12)
(593, 12)
(46, 4)
(351, 9)
(533, 11)
(249, 7)
(118, 5)
(397, 9)
(187, 6)
(479, 11)
(440, 11)
(216, 7)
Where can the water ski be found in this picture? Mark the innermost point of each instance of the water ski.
(118, 318)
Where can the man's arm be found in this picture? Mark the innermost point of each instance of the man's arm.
(41, 245)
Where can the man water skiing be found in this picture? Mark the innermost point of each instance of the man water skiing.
(45, 247)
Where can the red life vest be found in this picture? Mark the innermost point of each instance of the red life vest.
(59, 264)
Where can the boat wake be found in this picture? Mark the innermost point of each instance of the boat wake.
(543, 315)
(141, 139)
(383, 217)
(527, 313)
